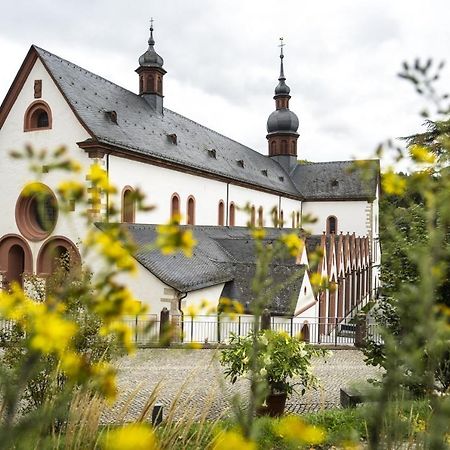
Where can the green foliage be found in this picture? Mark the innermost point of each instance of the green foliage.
(279, 358)
(414, 313)
(47, 381)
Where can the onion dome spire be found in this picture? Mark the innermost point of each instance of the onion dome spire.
(151, 73)
(282, 88)
(282, 124)
(150, 58)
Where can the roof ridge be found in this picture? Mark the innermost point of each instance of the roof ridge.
(213, 131)
(338, 161)
(40, 49)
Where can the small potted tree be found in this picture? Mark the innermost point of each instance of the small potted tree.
(279, 361)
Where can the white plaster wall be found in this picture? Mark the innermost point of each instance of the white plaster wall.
(351, 216)
(14, 174)
(159, 184)
(240, 196)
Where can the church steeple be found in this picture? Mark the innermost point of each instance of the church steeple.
(151, 75)
(282, 124)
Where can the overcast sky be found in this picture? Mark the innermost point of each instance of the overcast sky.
(222, 60)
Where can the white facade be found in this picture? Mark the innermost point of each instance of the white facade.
(158, 184)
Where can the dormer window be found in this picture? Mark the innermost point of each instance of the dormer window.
(212, 153)
(38, 116)
(240, 162)
(172, 138)
(264, 172)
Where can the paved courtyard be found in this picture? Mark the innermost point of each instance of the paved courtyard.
(193, 379)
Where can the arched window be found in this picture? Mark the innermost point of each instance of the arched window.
(36, 211)
(284, 146)
(191, 211)
(57, 253)
(305, 332)
(128, 205)
(253, 216)
(175, 206)
(38, 116)
(260, 216)
(273, 147)
(231, 219)
(16, 259)
(150, 84)
(159, 85)
(331, 225)
(221, 218)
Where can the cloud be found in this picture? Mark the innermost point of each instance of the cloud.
(222, 60)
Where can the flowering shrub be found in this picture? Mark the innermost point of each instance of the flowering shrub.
(279, 358)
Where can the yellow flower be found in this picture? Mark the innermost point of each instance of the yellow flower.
(293, 243)
(123, 332)
(422, 155)
(52, 334)
(99, 178)
(104, 377)
(319, 281)
(71, 189)
(172, 238)
(294, 429)
(71, 363)
(258, 233)
(233, 440)
(393, 183)
(131, 437)
(195, 345)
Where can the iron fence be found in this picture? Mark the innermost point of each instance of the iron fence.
(217, 329)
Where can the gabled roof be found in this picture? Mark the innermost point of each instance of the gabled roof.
(222, 255)
(144, 134)
(140, 130)
(337, 180)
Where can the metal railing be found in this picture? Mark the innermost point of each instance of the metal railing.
(217, 329)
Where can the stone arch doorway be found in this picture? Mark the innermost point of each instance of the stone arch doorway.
(305, 332)
(57, 252)
(16, 259)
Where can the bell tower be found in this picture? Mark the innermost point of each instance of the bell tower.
(282, 124)
(151, 75)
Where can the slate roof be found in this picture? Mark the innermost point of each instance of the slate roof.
(140, 130)
(337, 180)
(222, 255)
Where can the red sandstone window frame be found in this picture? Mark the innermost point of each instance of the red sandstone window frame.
(128, 216)
(6, 243)
(232, 216)
(329, 218)
(30, 121)
(190, 210)
(26, 220)
(175, 205)
(253, 216)
(260, 216)
(45, 257)
(221, 213)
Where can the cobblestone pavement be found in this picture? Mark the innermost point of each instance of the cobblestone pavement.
(194, 380)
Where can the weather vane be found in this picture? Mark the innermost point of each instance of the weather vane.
(151, 22)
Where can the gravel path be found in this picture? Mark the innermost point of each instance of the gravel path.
(194, 379)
